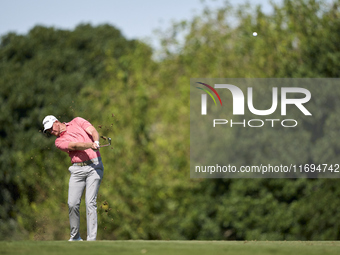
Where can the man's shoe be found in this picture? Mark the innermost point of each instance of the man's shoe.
(78, 239)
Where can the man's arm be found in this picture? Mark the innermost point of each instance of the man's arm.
(79, 146)
(91, 130)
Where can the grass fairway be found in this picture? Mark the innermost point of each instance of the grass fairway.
(169, 247)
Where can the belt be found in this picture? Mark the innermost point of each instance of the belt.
(87, 162)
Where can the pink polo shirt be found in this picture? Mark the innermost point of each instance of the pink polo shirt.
(75, 132)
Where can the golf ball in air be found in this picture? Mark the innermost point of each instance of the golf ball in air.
(254, 34)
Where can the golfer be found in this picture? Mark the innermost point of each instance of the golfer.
(81, 141)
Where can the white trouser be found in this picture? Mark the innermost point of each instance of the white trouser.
(90, 177)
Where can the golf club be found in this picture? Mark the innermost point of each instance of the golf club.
(109, 140)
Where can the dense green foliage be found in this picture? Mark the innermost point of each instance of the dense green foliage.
(143, 104)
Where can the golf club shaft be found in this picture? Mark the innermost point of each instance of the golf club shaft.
(104, 145)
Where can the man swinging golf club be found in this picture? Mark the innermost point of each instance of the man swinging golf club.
(81, 141)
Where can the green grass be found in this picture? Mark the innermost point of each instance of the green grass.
(169, 247)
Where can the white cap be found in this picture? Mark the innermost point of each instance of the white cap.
(48, 122)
